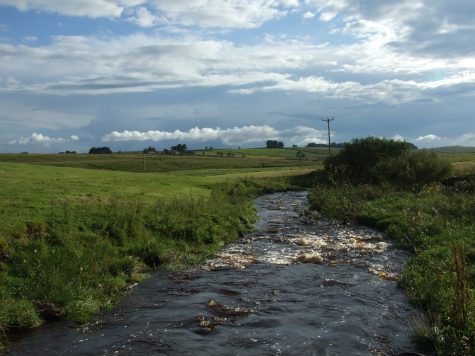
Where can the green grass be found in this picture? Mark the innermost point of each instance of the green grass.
(72, 239)
(159, 162)
(311, 153)
(430, 223)
(33, 191)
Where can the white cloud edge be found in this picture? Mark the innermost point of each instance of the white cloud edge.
(39, 138)
(231, 136)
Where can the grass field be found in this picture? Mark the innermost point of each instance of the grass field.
(310, 153)
(237, 159)
(75, 230)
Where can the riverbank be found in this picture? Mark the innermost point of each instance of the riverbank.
(71, 257)
(291, 286)
(437, 223)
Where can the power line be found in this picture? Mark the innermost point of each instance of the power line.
(327, 120)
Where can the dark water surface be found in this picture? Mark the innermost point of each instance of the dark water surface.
(291, 287)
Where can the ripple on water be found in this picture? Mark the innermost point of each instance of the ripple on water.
(291, 287)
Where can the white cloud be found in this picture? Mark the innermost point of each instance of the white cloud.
(467, 139)
(429, 138)
(308, 15)
(30, 39)
(38, 138)
(398, 138)
(432, 140)
(232, 136)
(137, 63)
(144, 18)
(87, 8)
(224, 13)
(389, 91)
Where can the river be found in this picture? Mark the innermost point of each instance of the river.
(292, 287)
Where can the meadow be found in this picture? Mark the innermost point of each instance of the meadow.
(434, 220)
(77, 230)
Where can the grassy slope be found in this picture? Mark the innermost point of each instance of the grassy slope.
(275, 153)
(166, 163)
(72, 239)
(429, 222)
(29, 191)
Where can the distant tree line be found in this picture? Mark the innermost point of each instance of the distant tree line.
(149, 149)
(180, 149)
(333, 144)
(100, 150)
(409, 145)
(274, 144)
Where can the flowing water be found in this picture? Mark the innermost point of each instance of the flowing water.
(291, 287)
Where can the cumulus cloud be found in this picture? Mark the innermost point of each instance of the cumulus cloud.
(224, 13)
(389, 91)
(308, 15)
(231, 136)
(398, 138)
(144, 18)
(87, 8)
(429, 138)
(423, 27)
(432, 140)
(467, 139)
(38, 138)
(139, 63)
(204, 13)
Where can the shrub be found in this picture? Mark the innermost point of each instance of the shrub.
(100, 150)
(415, 169)
(375, 161)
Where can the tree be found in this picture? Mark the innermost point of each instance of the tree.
(274, 144)
(373, 160)
(150, 149)
(100, 150)
(180, 148)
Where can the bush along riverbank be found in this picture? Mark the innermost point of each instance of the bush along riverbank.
(86, 256)
(406, 194)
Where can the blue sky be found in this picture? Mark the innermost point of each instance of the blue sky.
(228, 73)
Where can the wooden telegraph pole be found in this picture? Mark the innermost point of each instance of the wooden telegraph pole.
(327, 120)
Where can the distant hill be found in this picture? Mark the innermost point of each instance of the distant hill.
(455, 149)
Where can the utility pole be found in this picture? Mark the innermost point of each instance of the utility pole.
(327, 120)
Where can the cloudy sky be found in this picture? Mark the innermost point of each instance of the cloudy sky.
(130, 73)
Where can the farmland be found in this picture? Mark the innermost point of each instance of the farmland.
(77, 230)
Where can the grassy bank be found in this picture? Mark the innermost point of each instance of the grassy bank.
(433, 217)
(73, 240)
(437, 223)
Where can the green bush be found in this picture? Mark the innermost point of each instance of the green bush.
(414, 169)
(377, 161)
(434, 222)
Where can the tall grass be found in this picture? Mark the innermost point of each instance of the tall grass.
(81, 257)
(437, 223)
(80, 261)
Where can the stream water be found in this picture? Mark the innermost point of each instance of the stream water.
(291, 287)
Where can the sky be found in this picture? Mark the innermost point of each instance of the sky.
(227, 73)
